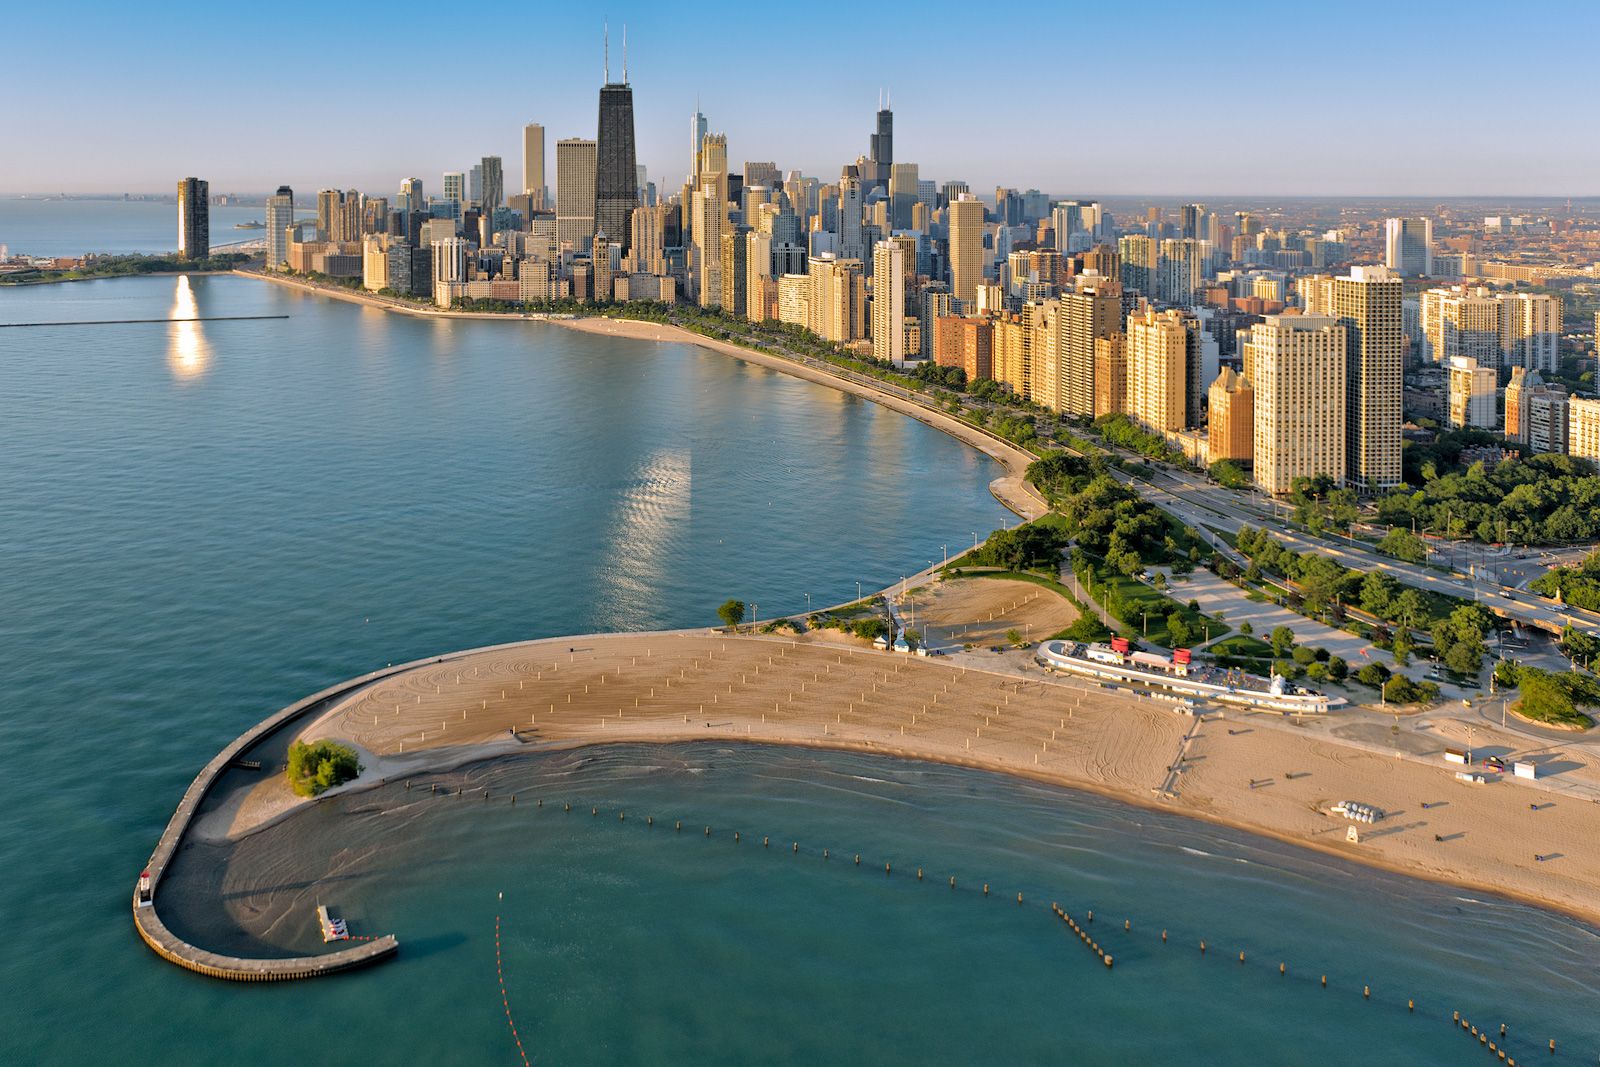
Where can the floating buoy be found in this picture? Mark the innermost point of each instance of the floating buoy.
(622, 816)
(1366, 992)
(986, 889)
(766, 842)
(649, 820)
(797, 847)
(679, 825)
(1202, 948)
(858, 859)
(886, 868)
(708, 831)
(1325, 986)
(952, 881)
(1411, 1005)
(1108, 961)
(824, 853)
(736, 837)
(1241, 957)
(1091, 916)
(919, 874)
(1127, 924)
(1163, 937)
(594, 811)
(1283, 968)
(1019, 898)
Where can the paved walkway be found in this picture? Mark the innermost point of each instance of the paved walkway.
(1217, 597)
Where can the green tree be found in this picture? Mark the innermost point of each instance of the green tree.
(1378, 594)
(1403, 544)
(1402, 647)
(731, 613)
(1282, 640)
(1178, 629)
(1409, 609)
(1229, 474)
(316, 767)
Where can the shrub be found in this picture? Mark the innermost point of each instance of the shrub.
(320, 766)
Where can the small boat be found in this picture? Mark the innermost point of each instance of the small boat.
(332, 929)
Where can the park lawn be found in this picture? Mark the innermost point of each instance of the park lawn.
(1145, 610)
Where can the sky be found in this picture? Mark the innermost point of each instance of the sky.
(1355, 98)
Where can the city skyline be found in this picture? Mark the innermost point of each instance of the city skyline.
(1124, 137)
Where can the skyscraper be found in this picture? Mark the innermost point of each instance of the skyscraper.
(881, 148)
(852, 244)
(1367, 304)
(575, 193)
(533, 162)
(966, 248)
(1408, 247)
(1158, 361)
(903, 181)
(494, 184)
(411, 198)
(454, 186)
(194, 218)
(280, 216)
(889, 302)
(1091, 312)
(616, 174)
(1297, 366)
(697, 134)
(706, 223)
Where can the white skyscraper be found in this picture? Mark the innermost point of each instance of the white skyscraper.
(455, 186)
(1408, 247)
(575, 193)
(889, 302)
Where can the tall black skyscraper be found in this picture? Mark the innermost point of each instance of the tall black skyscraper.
(616, 180)
(881, 152)
(194, 218)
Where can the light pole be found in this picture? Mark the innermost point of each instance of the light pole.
(753, 615)
(946, 550)
(808, 603)
(858, 590)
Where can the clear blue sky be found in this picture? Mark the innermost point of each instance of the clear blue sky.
(1399, 97)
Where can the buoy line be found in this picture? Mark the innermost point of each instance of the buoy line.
(500, 973)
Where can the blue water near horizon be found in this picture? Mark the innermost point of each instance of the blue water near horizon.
(61, 227)
(204, 522)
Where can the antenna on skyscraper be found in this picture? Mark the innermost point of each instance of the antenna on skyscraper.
(606, 30)
(624, 53)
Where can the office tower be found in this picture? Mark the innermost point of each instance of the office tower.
(616, 176)
(705, 251)
(454, 186)
(1408, 247)
(881, 147)
(889, 302)
(1298, 369)
(1158, 359)
(966, 248)
(410, 199)
(374, 215)
(712, 166)
(347, 217)
(837, 304)
(533, 162)
(697, 135)
(1230, 427)
(575, 193)
(280, 217)
(605, 259)
(762, 173)
(1367, 304)
(903, 182)
(1471, 394)
(1583, 427)
(1138, 255)
(734, 250)
(475, 185)
(1111, 375)
(1190, 221)
(194, 219)
(1093, 310)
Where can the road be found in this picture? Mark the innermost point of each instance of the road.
(1204, 504)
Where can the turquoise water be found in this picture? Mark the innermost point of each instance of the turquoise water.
(74, 227)
(203, 523)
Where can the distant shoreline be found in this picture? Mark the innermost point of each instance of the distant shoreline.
(1012, 490)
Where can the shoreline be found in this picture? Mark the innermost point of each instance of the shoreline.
(1111, 745)
(1011, 490)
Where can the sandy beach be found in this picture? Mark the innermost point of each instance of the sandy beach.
(1254, 772)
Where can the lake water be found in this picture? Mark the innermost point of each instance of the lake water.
(204, 522)
(74, 227)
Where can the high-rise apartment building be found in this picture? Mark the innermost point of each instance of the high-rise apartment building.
(454, 186)
(194, 219)
(647, 239)
(707, 221)
(1536, 413)
(575, 193)
(838, 299)
(1230, 419)
(1181, 269)
(1298, 368)
(494, 184)
(1111, 375)
(1583, 427)
(533, 163)
(616, 177)
(449, 270)
(1158, 361)
(1367, 304)
(889, 301)
(852, 245)
(1137, 253)
(1408, 247)
(1471, 394)
(1091, 311)
(735, 269)
(411, 199)
(966, 248)
(697, 134)
(712, 167)
(280, 219)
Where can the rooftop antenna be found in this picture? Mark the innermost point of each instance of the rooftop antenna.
(606, 30)
(624, 53)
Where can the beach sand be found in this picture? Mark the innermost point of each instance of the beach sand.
(1254, 772)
